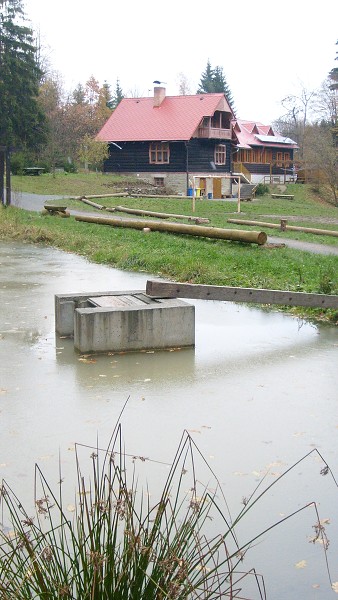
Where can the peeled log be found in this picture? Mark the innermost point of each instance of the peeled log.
(250, 237)
(159, 215)
(285, 227)
(94, 204)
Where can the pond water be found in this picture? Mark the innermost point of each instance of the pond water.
(258, 393)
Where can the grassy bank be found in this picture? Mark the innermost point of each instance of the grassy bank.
(187, 258)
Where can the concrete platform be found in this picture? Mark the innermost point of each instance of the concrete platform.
(124, 321)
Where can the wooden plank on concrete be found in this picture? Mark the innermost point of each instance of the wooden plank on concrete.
(116, 301)
(157, 289)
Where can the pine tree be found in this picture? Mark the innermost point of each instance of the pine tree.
(79, 94)
(333, 79)
(221, 86)
(333, 75)
(213, 81)
(206, 85)
(117, 97)
(22, 122)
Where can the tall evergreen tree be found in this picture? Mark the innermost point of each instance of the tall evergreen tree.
(206, 85)
(117, 96)
(333, 75)
(79, 94)
(221, 85)
(213, 81)
(333, 79)
(22, 121)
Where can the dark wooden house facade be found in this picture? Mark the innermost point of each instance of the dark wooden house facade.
(187, 143)
(176, 142)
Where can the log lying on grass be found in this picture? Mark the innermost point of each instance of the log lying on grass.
(114, 195)
(284, 227)
(93, 204)
(160, 215)
(250, 237)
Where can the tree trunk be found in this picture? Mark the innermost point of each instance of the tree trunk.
(2, 176)
(251, 237)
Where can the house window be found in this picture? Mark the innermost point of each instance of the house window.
(287, 161)
(279, 158)
(159, 153)
(159, 181)
(220, 154)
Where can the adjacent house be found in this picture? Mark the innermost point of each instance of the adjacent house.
(191, 144)
(262, 155)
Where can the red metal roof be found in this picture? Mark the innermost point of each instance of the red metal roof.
(137, 119)
(248, 134)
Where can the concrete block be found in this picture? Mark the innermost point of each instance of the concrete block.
(133, 321)
(65, 305)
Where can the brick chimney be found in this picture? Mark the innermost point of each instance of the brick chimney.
(159, 95)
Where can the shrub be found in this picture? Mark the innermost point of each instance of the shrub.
(262, 189)
(19, 160)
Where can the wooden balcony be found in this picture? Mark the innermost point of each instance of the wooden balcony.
(214, 133)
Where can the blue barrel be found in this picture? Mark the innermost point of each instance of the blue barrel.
(189, 191)
(209, 196)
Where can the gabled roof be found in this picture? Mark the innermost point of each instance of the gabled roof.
(177, 118)
(248, 134)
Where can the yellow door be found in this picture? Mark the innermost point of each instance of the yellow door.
(217, 187)
(202, 185)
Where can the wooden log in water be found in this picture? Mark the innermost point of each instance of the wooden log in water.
(238, 235)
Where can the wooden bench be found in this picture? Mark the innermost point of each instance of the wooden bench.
(33, 170)
(286, 196)
(56, 210)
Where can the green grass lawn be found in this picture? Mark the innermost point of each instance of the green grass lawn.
(180, 257)
(72, 184)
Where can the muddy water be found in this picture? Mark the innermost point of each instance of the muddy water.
(259, 392)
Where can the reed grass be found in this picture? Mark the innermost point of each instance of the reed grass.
(119, 544)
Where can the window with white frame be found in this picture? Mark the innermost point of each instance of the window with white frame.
(220, 154)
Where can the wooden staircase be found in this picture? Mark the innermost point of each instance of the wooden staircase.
(247, 191)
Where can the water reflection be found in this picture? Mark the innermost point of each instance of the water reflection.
(258, 391)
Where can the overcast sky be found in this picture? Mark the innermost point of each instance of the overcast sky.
(267, 49)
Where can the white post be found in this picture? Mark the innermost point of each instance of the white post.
(239, 196)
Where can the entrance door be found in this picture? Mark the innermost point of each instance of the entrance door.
(217, 187)
(203, 182)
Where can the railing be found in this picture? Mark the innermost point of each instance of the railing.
(214, 132)
(238, 167)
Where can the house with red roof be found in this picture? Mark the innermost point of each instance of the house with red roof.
(262, 155)
(192, 142)
(173, 141)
